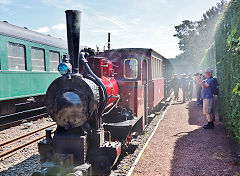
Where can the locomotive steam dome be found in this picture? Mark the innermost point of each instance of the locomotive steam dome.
(71, 102)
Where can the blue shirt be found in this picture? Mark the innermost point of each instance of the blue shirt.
(207, 92)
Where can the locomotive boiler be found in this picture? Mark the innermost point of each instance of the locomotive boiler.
(76, 101)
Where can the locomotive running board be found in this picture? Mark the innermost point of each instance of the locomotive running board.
(120, 130)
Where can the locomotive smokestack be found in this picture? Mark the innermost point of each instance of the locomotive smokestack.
(109, 41)
(73, 19)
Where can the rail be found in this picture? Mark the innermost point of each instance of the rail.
(10, 152)
(17, 118)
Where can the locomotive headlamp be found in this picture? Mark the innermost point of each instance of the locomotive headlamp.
(64, 68)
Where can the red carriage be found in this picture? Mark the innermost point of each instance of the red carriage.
(142, 75)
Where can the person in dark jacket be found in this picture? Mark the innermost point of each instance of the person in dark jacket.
(190, 81)
(184, 86)
(175, 83)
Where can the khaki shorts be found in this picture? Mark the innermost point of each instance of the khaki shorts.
(207, 105)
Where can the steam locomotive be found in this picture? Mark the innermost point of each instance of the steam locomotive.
(97, 103)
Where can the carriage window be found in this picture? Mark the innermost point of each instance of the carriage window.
(54, 60)
(156, 68)
(16, 56)
(160, 72)
(130, 68)
(38, 59)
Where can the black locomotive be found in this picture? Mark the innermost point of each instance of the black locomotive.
(75, 102)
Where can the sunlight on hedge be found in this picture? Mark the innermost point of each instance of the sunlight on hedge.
(226, 54)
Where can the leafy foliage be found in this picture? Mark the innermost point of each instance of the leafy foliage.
(236, 90)
(227, 45)
(233, 41)
(222, 52)
(209, 59)
(196, 37)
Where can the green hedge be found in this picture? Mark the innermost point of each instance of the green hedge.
(227, 53)
(209, 59)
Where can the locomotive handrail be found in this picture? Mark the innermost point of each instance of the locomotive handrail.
(112, 107)
(109, 136)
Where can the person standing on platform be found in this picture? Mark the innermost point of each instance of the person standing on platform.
(184, 86)
(190, 81)
(175, 83)
(199, 88)
(207, 95)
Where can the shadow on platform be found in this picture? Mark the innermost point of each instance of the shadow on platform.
(195, 116)
(204, 152)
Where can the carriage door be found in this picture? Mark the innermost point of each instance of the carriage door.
(145, 93)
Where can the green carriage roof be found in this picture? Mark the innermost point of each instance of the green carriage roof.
(26, 34)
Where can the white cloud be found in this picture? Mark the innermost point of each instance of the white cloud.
(114, 21)
(5, 9)
(181, 18)
(136, 21)
(43, 30)
(59, 27)
(5, 2)
(27, 7)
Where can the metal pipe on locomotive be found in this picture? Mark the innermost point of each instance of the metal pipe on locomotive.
(76, 102)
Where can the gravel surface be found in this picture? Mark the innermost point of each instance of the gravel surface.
(179, 147)
(182, 147)
(129, 155)
(25, 161)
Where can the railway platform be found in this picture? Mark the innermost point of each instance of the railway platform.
(181, 147)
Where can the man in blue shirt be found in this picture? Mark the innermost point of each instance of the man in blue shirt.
(207, 95)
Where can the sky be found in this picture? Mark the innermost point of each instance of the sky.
(132, 23)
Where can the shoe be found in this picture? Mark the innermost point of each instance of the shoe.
(210, 125)
(206, 125)
(213, 118)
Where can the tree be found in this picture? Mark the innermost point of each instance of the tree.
(196, 36)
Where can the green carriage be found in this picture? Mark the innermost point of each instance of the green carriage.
(28, 64)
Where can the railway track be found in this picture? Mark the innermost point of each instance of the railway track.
(21, 146)
(18, 118)
(29, 160)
